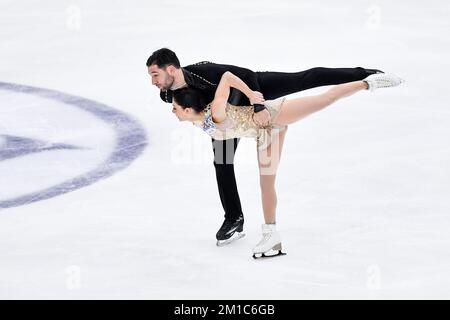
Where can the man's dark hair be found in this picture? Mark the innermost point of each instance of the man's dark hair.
(162, 58)
(190, 97)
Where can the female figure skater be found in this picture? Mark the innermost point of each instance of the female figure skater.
(222, 120)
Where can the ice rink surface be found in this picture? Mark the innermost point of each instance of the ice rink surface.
(104, 194)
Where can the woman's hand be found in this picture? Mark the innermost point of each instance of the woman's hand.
(256, 98)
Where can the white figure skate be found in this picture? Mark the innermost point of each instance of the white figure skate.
(382, 80)
(270, 244)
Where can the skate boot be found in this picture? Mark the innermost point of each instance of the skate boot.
(270, 244)
(230, 231)
(382, 80)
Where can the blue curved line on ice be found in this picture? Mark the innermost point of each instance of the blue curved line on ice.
(15, 146)
(131, 141)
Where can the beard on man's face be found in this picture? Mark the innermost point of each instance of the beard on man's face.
(168, 83)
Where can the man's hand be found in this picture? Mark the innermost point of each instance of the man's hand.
(262, 118)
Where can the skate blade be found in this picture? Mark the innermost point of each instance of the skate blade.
(257, 256)
(234, 237)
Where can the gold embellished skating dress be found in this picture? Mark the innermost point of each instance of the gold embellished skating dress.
(239, 123)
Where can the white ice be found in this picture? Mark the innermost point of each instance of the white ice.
(363, 186)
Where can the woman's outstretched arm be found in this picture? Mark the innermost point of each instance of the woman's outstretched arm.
(296, 109)
(219, 103)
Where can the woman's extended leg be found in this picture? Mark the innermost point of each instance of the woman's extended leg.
(268, 161)
(296, 109)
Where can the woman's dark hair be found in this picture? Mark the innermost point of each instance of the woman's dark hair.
(190, 97)
(162, 58)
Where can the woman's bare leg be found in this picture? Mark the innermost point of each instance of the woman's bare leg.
(292, 111)
(295, 109)
(269, 160)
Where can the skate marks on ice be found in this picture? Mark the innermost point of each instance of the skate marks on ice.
(127, 136)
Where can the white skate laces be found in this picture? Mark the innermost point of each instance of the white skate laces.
(382, 80)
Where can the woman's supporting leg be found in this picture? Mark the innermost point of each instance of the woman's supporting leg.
(269, 160)
(296, 109)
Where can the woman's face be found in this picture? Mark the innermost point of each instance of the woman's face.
(182, 114)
